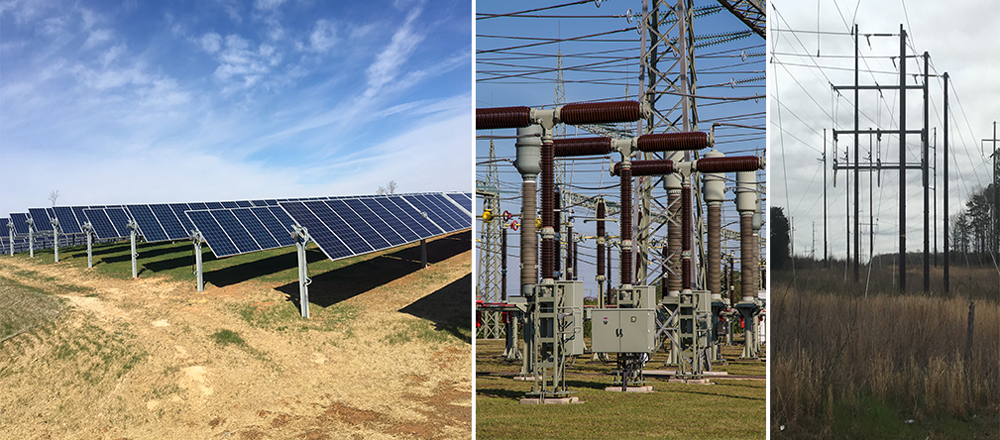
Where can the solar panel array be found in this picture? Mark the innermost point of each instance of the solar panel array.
(347, 226)
(234, 231)
(108, 223)
(41, 218)
(20, 221)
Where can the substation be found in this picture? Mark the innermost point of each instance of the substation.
(341, 226)
(686, 190)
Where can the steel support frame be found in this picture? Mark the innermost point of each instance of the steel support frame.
(488, 284)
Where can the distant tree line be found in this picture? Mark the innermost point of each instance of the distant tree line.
(972, 231)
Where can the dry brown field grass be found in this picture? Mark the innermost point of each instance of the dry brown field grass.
(849, 366)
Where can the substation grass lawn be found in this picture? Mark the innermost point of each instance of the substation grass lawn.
(727, 409)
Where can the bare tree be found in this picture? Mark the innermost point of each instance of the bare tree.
(53, 196)
(390, 188)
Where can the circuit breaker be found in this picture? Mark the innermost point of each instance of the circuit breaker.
(623, 330)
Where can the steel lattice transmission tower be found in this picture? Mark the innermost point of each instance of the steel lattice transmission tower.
(488, 286)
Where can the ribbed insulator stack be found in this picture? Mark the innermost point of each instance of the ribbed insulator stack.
(656, 167)
(673, 141)
(600, 112)
(502, 117)
(548, 195)
(626, 225)
(589, 146)
(730, 164)
(686, 226)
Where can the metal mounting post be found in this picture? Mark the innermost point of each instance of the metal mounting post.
(31, 237)
(198, 239)
(55, 237)
(89, 230)
(423, 253)
(10, 227)
(133, 227)
(301, 237)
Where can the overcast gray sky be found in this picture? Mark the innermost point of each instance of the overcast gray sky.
(960, 37)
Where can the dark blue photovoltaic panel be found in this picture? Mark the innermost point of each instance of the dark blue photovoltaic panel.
(358, 224)
(148, 225)
(244, 203)
(171, 226)
(229, 205)
(258, 203)
(273, 225)
(67, 221)
(422, 226)
(256, 229)
(178, 209)
(389, 218)
(282, 217)
(197, 206)
(339, 227)
(433, 206)
(20, 221)
(271, 202)
(432, 214)
(49, 212)
(391, 237)
(41, 218)
(463, 199)
(324, 238)
(217, 240)
(119, 218)
(462, 218)
(80, 218)
(98, 218)
(232, 227)
(213, 205)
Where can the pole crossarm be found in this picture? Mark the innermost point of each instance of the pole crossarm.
(877, 166)
(877, 131)
(878, 87)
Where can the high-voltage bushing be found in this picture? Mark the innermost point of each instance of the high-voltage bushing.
(713, 189)
(749, 306)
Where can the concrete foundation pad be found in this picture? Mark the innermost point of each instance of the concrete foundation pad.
(550, 401)
(642, 389)
(691, 381)
(655, 373)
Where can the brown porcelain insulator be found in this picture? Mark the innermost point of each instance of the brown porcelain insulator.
(589, 146)
(672, 141)
(655, 167)
(729, 164)
(548, 212)
(674, 242)
(502, 117)
(600, 112)
(713, 272)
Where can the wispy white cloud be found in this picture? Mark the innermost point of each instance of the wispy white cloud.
(323, 36)
(97, 37)
(242, 66)
(387, 63)
(267, 4)
(210, 42)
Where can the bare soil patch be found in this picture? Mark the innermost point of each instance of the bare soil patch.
(152, 358)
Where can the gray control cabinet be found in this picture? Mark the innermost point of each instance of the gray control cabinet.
(623, 330)
(572, 316)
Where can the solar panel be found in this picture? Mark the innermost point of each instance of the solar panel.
(258, 202)
(348, 226)
(101, 223)
(78, 212)
(3, 224)
(213, 205)
(217, 240)
(271, 202)
(149, 226)
(171, 226)
(283, 218)
(197, 206)
(179, 209)
(230, 205)
(41, 218)
(463, 199)
(278, 231)
(244, 203)
(20, 221)
(119, 218)
(240, 230)
(67, 221)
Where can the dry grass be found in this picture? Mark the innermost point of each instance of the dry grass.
(839, 358)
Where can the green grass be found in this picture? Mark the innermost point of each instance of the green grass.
(25, 308)
(285, 316)
(728, 409)
(227, 337)
(418, 330)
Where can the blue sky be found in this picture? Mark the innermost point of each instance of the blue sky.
(141, 102)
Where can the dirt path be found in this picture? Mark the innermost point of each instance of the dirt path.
(151, 358)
